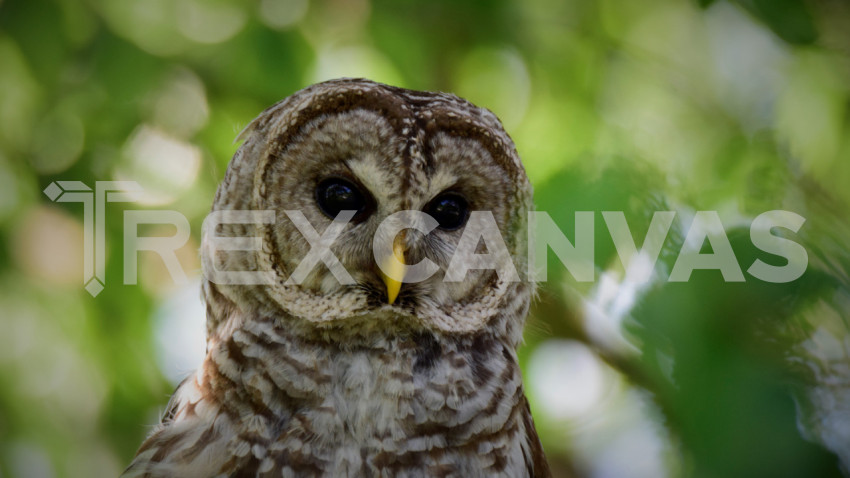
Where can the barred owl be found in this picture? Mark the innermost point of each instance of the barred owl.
(376, 375)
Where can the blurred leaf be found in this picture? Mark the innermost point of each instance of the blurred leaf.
(791, 20)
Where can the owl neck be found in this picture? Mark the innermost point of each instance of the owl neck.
(462, 388)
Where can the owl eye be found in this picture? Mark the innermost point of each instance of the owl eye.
(449, 209)
(337, 194)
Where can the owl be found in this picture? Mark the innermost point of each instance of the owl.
(353, 369)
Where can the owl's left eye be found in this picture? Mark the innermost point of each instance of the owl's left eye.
(450, 210)
(337, 194)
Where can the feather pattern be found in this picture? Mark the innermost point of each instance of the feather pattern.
(321, 379)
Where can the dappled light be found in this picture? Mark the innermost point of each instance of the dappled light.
(731, 107)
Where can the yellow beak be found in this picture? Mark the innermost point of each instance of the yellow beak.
(395, 268)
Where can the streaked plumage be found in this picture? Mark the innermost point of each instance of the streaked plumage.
(324, 379)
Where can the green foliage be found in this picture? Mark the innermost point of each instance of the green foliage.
(641, 106)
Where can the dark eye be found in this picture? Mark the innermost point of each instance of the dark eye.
(337, 194)
(450, 210)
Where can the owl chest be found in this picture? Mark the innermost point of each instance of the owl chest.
(370, 397)
(381, 410)
(365, 401)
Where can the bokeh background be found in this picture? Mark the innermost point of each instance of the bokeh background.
(738, 107)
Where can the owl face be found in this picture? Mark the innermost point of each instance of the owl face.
(376, 150)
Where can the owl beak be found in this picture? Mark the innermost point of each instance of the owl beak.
(395, 268)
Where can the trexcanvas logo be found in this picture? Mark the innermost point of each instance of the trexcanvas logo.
(544, 235)
(94, 221)
(94, 229)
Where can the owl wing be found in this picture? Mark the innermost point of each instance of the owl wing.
(192, 440)
(535, 459)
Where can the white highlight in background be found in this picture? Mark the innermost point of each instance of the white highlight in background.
(180, 332)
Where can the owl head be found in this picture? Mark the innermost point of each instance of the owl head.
(345, 169)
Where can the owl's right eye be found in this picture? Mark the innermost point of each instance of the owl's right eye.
(337, 194)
